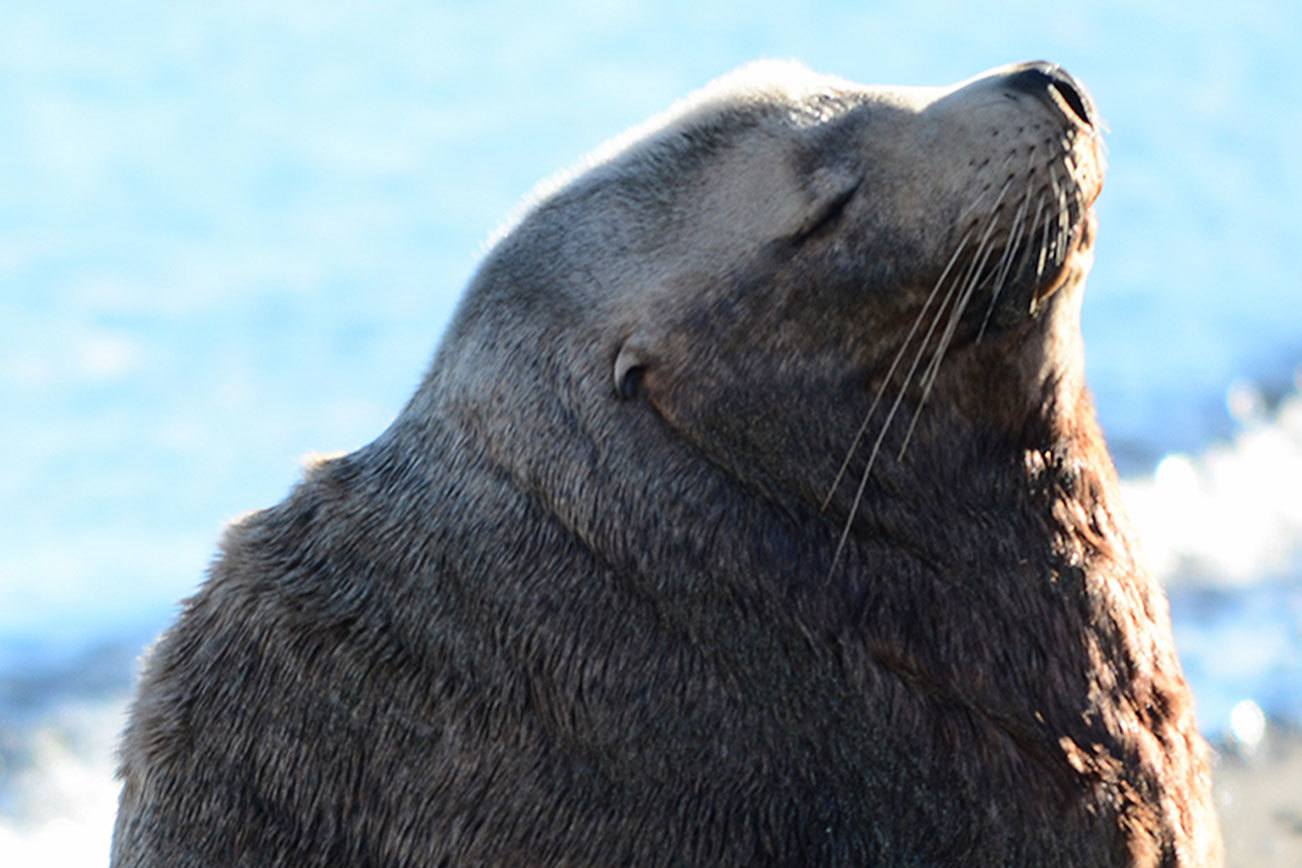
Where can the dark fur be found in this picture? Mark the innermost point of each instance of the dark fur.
(537, 624)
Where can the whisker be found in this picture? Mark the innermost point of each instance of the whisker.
(1063, 227)
(1044, 236)
(972, 206)
(895, 405)
(1004, 268)
(890, 371)
(970, 281)
(1015, 237)
(908, 377)
(899, 396)
(930, 375)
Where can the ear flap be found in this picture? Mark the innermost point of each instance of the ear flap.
(630, 364)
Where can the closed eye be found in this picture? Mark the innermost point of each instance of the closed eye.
(826, 216)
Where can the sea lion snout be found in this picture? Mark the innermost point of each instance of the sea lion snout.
(1055, 86)
(1020, 162)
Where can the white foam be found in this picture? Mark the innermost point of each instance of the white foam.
(1223, 531)
(1230, 515)
(61, 797)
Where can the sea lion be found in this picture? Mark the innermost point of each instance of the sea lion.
(753, 511)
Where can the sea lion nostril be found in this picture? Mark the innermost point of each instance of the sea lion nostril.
(1043, 80)
(1074, 100)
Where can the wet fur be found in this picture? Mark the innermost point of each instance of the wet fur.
(533, 623)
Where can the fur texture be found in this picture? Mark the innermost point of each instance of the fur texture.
(555, 615)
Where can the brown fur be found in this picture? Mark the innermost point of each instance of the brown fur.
(536, 623)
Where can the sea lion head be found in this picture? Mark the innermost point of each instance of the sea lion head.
(785, 256)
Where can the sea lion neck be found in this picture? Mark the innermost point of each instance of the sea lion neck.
(1028, 379)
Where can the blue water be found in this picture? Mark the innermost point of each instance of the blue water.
(231, 234)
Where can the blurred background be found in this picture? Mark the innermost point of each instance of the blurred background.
(231, 234)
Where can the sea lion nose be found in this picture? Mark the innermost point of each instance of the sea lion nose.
(1052, 84)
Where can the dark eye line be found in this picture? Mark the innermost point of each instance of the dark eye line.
(832, 211)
